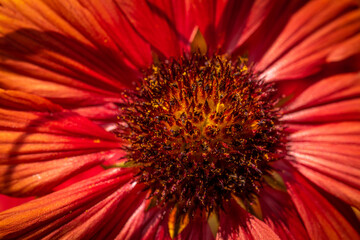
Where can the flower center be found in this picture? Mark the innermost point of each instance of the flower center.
(201, 130)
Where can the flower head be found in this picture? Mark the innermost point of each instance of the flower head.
(186, 119)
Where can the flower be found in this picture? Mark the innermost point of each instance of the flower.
(187, 119)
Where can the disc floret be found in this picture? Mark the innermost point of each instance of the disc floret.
(201, 130)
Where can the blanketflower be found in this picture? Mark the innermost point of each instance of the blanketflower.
(193, 119)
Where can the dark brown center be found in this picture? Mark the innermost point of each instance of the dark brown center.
(201, 130)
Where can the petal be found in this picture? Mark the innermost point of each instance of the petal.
(101, 114)
(145, 224)
(38, 178)
(346, 49)
(198, 228)
(347, 110)
(228, 24)
(118, 29)
(94, 219)
(47, 133)
(309, 37)
(321, 219)
(60, 50)
(330, 183)
(166, 25)
(54, 210)
(334, 88)
(10, 202)
(280, 214)
(23, 101)
(280, 14)
(342, 132)
(41, 141)
(337, 175)
(236, 223)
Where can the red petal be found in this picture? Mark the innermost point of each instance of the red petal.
(335, 88)
(326, 170)
(166, 25)
(310, 36)
(38, 178)
(198, 228)
(145, 224)
(346, 49)
(262, 39)
(38, 130)
(280, 214)
(228, 24)
(24, 101)
(342, 132)
(100, 113)
(94, 219)
(10, 202)
(54, 210)
(62, 51)
(236, 223)
(48, 133)
(320, 218)
(121, 36)
(337, 152)
(348, 110)
(333, 182)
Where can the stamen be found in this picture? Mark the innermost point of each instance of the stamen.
(201, 130)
